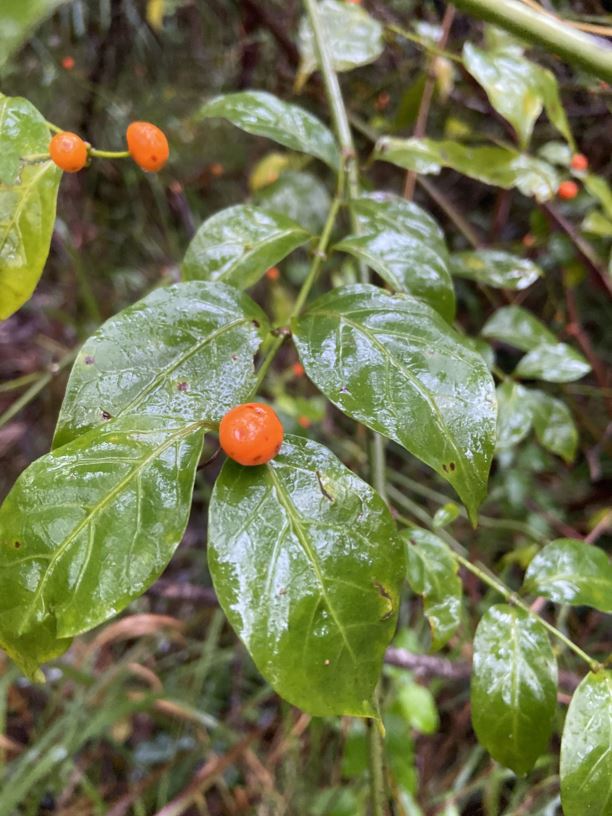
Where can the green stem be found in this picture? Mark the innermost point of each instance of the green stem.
(481, 572)
(427, 45)
(442, 498)
(109, 154)
(309, 281)
(591, 53)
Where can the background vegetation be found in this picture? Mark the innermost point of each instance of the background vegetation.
(161, 712)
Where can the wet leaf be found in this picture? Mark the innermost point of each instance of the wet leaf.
(517, 88)
(90, 526)
(514, 687)
(495, 268)
(392, 363)
(263, 114)
(519, 328)
(432, 573)
(353, 38)
(558, 363)
(405, 246)
(586, 749)
(514, 414)
(28, 194)
(498, 166)
(300, 196)
(238, 245)
(574, 572)
(186, 350)
(554, 426)
(307, 565)
(38, 646)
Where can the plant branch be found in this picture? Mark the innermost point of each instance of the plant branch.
(425, 104)
(590, 53)
(483, 574)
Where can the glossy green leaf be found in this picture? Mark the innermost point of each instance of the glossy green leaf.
(586, 749)
(300, 196)
(517, 88)
(186, 350)
(495, 268)
(307, 565)
(17, 19)
(574, 572)
(558, 363)
(386, 210)
(405, 246)
(498, 166)
(392, 363)
(514, 687)
(353, 38)
(518, 327)
(554, 426)
(514, 414)
(264, 114)
(90, 526)
(28, 194)
(511, 82)
(238, 245)
(432, 573)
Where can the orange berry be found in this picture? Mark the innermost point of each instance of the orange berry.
(567, 190)
(273, 273)
(528, 240)
(216, 169)
(68, 63)
(251, 434)
(68, 151)
(304, 422)
(579, 162)
(148, 146)
(298, 369)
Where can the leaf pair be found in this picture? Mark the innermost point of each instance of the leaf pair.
(520, 409)
(546, 359)
(88, 527)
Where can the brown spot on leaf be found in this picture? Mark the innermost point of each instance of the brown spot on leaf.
(89, 360)
(183, 386)
(106, 415)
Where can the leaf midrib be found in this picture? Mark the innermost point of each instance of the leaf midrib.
(418, 386)
(98, 508)
(310, 554)
(191, 351)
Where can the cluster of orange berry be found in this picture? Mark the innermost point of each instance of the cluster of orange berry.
(147, 145)
(569, 189)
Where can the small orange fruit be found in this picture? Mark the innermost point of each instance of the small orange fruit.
(251, 434)
(68, 151)
(148, 146)
(298, 370)
(304, 422)
(567, 190)
(579, 162)
(528, 240)
(68, 63)
(273, 273)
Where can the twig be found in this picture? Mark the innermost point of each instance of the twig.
(582, 246)
(428, 89)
